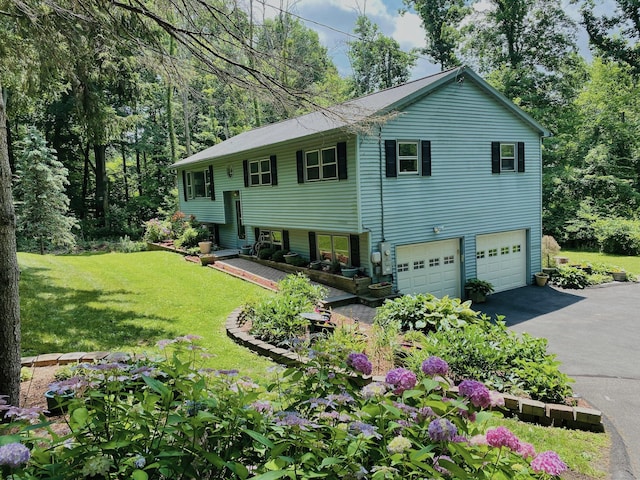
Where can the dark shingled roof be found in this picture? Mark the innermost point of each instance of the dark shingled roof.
(340, 116)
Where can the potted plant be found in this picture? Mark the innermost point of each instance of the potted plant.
(316, 265)
(288, 257)
(205, 247)
(245, 249)
(379, 290)
(618, 274)
(541, 278)
(477, 290)
(349, 272)
(207, 260)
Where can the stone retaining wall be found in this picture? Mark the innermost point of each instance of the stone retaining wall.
(525, 409)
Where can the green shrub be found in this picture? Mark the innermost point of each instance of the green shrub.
(266, 253)
(570, 277)
(191, 237)
(425, 312)
(278, 256)
(126, 245)
(277, 319)
(599, 278)
(618, 235)
(167, 419)
(156, 231)
(299, 261)
(502, 359)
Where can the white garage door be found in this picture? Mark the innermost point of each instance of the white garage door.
(432, 267)
(501, 258)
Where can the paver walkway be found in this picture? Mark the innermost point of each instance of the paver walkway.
(355, 311)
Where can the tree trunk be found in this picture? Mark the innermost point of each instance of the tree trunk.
(187, 126)
(138, 169)
(102, 200)
(124, 172)
(9, 275)
(85, 182)
(170, 125)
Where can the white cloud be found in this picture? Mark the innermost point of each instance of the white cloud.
(408, 31)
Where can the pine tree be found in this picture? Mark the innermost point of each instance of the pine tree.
(43, 205)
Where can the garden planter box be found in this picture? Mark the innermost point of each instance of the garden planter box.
(619, 276)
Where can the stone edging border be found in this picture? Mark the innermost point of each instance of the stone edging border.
(527, 410)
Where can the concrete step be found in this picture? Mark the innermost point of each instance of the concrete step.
(340, 300)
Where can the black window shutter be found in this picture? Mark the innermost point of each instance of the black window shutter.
(213, 190)
(391, 165)
(313, 254)
(245, 171)
(274, 170)
(495, 157)
(285, 240)
(521, 156)
(256, 233)
(216, 233)
(184, 185)
(300, 166)
(426, 158)
(354, 247)
(342, 160)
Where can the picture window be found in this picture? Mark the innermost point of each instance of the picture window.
(332, 247)
(260, 172)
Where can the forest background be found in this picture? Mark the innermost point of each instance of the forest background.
(98, 98)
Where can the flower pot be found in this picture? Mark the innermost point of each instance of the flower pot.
(541, 279)
(349, 272)
(379, 290)
(57, 402)
(205, 247)
(245, 249)
(619, 276)
(288, 258)
(476, 297)
(207, 259)
(315, 265)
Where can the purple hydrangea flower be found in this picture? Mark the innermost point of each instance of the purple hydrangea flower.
(14, 454)
(340, 398)
(360, 363)
(367, 430)
(72, 384)
(526, 450)
(31, 414)
(402, 379)
(476, 392)
(292, 419)
(439, 468)
(548, 462)
(442, 430)
(503, 437)
(435, 366)
(374, 389)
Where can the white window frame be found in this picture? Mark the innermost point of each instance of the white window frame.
(265, 233)
(509, 158)
(191, 190)
(260, 172)
(415, 157)
(321, 164)
(333, 236)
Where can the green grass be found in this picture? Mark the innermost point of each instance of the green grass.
(583, 452)
(630, 263)
(127, 302)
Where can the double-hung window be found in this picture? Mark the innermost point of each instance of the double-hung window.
(334, 247)
(321, 164)
(507, 157)
(260, 172)
(408, 158)
(199, 184)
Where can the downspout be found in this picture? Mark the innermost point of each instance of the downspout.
(381, 179)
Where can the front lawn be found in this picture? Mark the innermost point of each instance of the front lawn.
(127, 302)
(629, 263)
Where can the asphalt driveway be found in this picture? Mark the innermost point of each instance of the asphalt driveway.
(596, 334)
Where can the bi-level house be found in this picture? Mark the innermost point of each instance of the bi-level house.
(445, 187)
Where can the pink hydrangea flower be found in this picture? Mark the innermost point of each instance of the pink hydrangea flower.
(548, 462)
(526, 450)
(503, 437)
(360, 363)
(435, 366)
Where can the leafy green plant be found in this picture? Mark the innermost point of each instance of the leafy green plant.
(266, 253)
(425, 312)
(277, 319)
(156, 231)
(166, 418)
(550, 249)
(475, 285)
(278, 256)
(502, 359)
(299, 261)
(126, 245)
(570, 277)
(191, 237)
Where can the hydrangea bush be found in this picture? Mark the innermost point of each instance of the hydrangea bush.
(167, 419)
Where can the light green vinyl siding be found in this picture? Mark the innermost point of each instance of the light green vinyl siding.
(462, 195)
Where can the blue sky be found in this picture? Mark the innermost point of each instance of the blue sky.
(334, 20)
